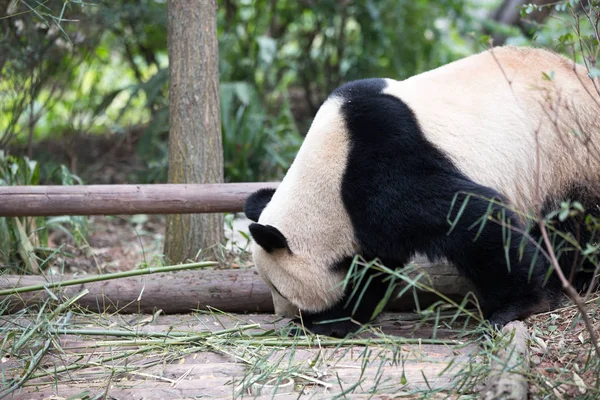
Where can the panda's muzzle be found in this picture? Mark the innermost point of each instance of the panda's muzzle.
(282, 305)
(274, 288)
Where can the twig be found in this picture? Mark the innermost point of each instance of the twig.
(316, 340)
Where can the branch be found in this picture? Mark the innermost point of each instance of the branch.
(509, 14)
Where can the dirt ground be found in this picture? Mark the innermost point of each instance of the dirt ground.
(561, 352)
(114, 244)
(120, 243)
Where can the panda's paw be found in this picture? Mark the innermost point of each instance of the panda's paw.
(497, 322)
(510, 312)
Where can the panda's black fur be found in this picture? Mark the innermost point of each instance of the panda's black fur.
(579, 271)
(403, 196)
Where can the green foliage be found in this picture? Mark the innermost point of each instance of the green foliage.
(24, 240)
(142, 46)
(316, 46)
(254, 144)
(279, 60)
(71, 67)
(41, 54)
(103, 66)
(572, 28)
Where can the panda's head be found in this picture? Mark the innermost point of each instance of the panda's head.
(300, 281)
(303, 236)
(300, 278)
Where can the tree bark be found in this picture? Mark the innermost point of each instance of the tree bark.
(195, 149)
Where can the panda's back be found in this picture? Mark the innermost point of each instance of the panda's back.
(489, 112)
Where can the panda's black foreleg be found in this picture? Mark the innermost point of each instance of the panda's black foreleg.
(489, 245)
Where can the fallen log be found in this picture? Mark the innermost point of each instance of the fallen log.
(23, 201)
(229, 290)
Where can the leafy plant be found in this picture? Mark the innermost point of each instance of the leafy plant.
(255, 146)
(73, 67)
(41, 52)
(316, 46)
(24, 240)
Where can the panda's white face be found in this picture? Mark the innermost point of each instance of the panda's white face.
(303, 230)
(292, 284)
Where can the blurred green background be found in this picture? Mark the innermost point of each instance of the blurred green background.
(84, 83)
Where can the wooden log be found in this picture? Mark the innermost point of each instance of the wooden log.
(228, 290)
(125, 199)
(217, 374)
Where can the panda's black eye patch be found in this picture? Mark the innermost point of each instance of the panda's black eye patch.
(268, 237)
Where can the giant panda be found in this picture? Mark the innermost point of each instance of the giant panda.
(389, 169)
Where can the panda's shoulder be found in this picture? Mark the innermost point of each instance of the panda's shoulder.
(360, 89)
(366, 102)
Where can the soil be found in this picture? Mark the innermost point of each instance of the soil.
(114, 244)
(120, 243)
(96, 159)
(562, 354)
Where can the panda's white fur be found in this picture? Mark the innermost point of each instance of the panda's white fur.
(307, 208)
(488, 112)
(506, 91)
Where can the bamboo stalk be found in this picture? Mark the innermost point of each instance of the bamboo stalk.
(117, 333)
(328, 342)
(121, 333)
(106, 277)
(112, 357)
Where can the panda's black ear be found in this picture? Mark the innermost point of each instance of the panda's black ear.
(268, 237)
(256, 203)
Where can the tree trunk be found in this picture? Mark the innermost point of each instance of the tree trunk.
(195, 149)
(509, 13)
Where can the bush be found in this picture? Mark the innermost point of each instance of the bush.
(24, 240)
